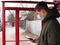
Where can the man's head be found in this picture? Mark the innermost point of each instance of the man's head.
(41, 9)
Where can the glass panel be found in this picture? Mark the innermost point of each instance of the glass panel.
(27, 43)
(50, 5)
(10, 27)
(29, 26)
(29, 5)
(49, 0)
(10, 43)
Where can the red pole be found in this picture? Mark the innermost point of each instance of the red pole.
(3, 24)
(17, 27)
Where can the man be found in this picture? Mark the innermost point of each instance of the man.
(51, 29)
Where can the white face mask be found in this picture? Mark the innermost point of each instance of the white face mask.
(40, 17)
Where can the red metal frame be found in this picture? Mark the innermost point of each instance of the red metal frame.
(3, 25)
(15, 41)
(26, 2)
(17, 27)
(14, 8)
(17, 19)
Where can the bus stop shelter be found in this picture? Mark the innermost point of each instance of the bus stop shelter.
(17, 9)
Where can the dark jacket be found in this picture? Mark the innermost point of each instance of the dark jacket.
(50, 34)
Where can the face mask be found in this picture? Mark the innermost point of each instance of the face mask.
(40, 17)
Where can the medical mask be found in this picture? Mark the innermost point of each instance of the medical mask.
(40, 17)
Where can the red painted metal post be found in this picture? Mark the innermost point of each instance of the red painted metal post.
(17, 27)
(3, 24)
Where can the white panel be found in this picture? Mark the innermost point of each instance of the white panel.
(35, 27)
(29, 5)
